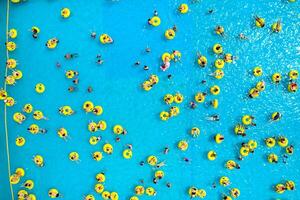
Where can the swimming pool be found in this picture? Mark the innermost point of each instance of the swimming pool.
(117, 88)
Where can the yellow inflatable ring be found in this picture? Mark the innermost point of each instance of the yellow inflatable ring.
(17, 74)
(192, 192)
(257, 71)
(20, 141)
(97, 156)
(170, 34)
(147, 85)
(127, 153)
(195, 132)
(99, 188)
(178, 98)
(183, 145)
(11, 46)
(201, 193)
(270, 142)
(200, 97)
(235, 192)
(230, 164)
(260, 86)
(272, 158)
(155, 21)
(168, 98)
(219, 63)
(219, 138)
(105, 195)
(276, 27)
(211, 155)
(88, 106)
(139, 190)
(224, 181)
(40, 88)
(280, 188)
(183, 8)
(118, 129)
(98, 110)
(166, 57)
(259, 22)
(247, 119)
(105, 39)
(11, 63)
(65, 12)
(102, 125)
(276, 77)
(150, 191)
(152, 160)
(290, 185)
(164, 115)
(244, 151)
(219, 74)
(292, 87)
(202, 61)
(108, 148)
(215, 90)
(217, 49)
(293, 74)
(282, 141)
(12, 33)
(174, 111)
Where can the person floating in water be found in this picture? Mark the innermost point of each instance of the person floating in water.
(213, 118)
(69, 56)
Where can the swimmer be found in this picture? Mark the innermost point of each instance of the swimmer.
(69, 56)
(155, 180)
(58, 65)
(99, 61)
(90, 89)
(186, 159)
(169, 76)
(213, 118)
(210, 11)
(129, 146)
(75, 81)
(71, 89)
(166, 150)
(161, 164)
(148, 50)
(168, 185)
(155, 13)
(220, 30)
(214, 185)
(124, 132)
(146, 68)
(242, 36)
(93, 34)
(137, 63)
(193, 105)
(142, 163)
(174, 28)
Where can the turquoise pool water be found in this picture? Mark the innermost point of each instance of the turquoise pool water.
(117, 88)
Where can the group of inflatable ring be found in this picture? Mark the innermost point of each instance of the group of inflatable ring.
(292, 76)
(281, 188)
(177, 98)
(88, 106)
(93, 126)
(254, 92)
(173, 112)
(148, 84)
(194, 192)
(9, 101)
(175, 56)
(12, 64)
(140, 190)
(282, 142)
(248, 147)
(275, 27)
